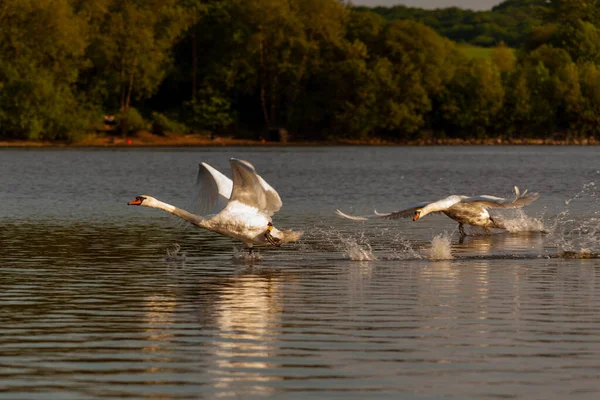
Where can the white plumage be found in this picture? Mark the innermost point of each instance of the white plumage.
(240, 208)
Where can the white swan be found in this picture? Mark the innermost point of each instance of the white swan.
(241, 209)
(463, 209)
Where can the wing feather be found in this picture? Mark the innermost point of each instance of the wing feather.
(520, 200)
(251, 189)
(212, 192)
(408, 212)
(405, 213)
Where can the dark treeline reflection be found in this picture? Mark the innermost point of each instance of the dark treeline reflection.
(320, 69)
(102, 244)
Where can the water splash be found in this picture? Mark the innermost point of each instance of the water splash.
(374, 244)
(358, 252)
(577, 235)
(440, 247)
(403, 250)
(524, 223)
(174, 255)
(244, 256)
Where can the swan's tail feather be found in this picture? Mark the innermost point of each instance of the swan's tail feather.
(526, 198)
(341, 214)
(289, 236)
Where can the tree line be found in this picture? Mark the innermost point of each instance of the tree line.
(321, 69)
(510, 22)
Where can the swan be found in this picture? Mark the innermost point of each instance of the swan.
(241, 209)
(462, 209)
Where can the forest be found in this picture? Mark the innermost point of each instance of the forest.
(321, 70)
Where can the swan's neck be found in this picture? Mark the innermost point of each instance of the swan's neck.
(440, 205)
(429, 208)
(183, 214)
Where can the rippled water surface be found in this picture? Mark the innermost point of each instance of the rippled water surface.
(102, 300)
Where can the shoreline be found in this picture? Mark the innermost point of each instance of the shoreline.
(146, 139)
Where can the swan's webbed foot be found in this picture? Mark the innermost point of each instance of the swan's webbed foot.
(461, 229)
(270, 238)
(497, 224)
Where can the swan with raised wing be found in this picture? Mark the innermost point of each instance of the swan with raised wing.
(463, 209)
(241, 209)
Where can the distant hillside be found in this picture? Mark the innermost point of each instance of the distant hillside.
(509, 22)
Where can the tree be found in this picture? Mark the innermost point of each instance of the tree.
(42, 46)
(131, 48)
(569, 11)
(365, 26)
(552, 79)
(578, 38)
(588, 121)
(421, 63)
(504, 58)
(472, 99)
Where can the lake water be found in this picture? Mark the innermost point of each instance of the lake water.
(92, 306)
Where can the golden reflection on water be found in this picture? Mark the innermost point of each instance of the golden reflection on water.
(481, 245)
(248, 318)
(159, 319)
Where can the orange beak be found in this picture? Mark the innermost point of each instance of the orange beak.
(135, 202)
(416, 217)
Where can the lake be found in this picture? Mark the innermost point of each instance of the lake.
(102, 300)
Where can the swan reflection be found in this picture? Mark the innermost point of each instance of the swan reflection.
(247, 316)
(159, 319)
(528, 242)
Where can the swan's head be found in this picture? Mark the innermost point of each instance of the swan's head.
(143, 200)
(417, 214)
(270, 227)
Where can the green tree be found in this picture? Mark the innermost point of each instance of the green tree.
(504, 58)
(552, 80)
(580, 39)
(515, 117)
(131, 48)
(283, 48)
(569, 11)
(473, 99)
(42, 50)
(588, 118)
(413, 66)
(365, 27)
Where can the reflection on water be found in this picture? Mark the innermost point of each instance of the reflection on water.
(99, 302)
(247, 319)
(502, 243)
(119, 321)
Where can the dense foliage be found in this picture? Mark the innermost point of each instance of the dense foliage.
(510, 22)
(320, 69)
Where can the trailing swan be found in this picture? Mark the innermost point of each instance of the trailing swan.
(463, 209)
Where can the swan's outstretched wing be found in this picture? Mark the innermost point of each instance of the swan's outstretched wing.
(213, 190)
(405, 213)
(408, 212)
(520, 200)
(252, 190)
